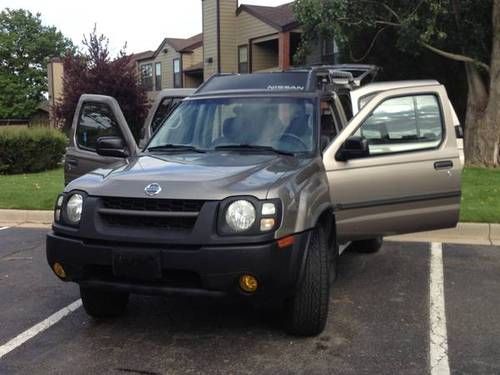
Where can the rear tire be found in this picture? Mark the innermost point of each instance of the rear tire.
(372, 245)
(103, 304)
(307, 311)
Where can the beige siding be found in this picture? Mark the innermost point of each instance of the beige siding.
(167, 66)
(249, 27)
(210, 36)
(191, 82)
(193, 58)
(197, 56)
(228, 46)
(186, 60)
(55, 78)
(264, 57)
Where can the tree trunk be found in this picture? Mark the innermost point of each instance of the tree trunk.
(477, 134)
(482, 123)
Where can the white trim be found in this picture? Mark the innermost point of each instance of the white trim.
(438, 339)
(38, 328)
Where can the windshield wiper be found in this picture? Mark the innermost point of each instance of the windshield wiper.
(253, 147)
(173, 147)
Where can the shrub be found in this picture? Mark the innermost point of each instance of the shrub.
(95, 72)
(30, 150)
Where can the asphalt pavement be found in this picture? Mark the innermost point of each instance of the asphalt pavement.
(379, 321)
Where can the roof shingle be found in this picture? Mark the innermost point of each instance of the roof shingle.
(281, 17)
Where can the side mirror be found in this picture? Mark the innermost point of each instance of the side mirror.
(111, 146)
(354, 147)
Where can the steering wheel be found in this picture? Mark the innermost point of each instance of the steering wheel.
(295, 139)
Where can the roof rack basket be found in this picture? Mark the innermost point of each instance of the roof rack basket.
(351, 76)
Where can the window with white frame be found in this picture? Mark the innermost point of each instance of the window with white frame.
(158, 76)
(177, 73)
(243, 59)
(147, 76)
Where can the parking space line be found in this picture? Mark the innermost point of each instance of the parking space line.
(38, 328)
(439, 364)
(3, 228)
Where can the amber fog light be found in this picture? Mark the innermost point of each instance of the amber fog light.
(248, 283)
(59, 270)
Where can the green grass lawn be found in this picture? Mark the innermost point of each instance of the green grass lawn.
(34, 191)
(480, 195)
(38, 191)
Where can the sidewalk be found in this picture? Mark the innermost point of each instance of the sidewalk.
(464, 233)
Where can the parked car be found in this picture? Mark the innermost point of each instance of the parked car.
(98, 115)
(253, 187)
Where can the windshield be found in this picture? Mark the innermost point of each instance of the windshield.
(283, 124)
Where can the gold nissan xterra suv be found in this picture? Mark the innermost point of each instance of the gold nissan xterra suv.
(252, 187)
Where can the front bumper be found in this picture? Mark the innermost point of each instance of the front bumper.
(208, 270)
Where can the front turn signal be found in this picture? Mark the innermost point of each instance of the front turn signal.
(286, 241)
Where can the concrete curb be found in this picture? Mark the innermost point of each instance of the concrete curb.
(16, 217)
(464, 233)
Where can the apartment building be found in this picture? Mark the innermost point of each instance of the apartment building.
(235, 39)
(176, 63)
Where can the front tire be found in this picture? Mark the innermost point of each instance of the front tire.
(103, 304)
(307, 311)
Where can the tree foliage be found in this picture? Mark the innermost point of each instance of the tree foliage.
(26, 46)
(465, 31)
(93, 71)
(451, 27)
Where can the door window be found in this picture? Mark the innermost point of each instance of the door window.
(345, 100)
(403, 124)
(165, 108)
(330, 122)
(96, 120)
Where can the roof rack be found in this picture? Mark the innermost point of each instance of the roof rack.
(351, 76)
(324, 78)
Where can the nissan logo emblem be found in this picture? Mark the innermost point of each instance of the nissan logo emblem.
(152, 189)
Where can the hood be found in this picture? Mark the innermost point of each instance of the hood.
(211, 176)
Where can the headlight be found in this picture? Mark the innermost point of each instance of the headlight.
(74, 208)
(240, 215)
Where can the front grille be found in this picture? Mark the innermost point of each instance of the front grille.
(150, 204)
(137, 221)
(168, 214)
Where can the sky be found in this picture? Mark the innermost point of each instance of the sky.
(143, 25)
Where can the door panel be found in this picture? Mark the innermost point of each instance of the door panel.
(95, 116)
(406, 188)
